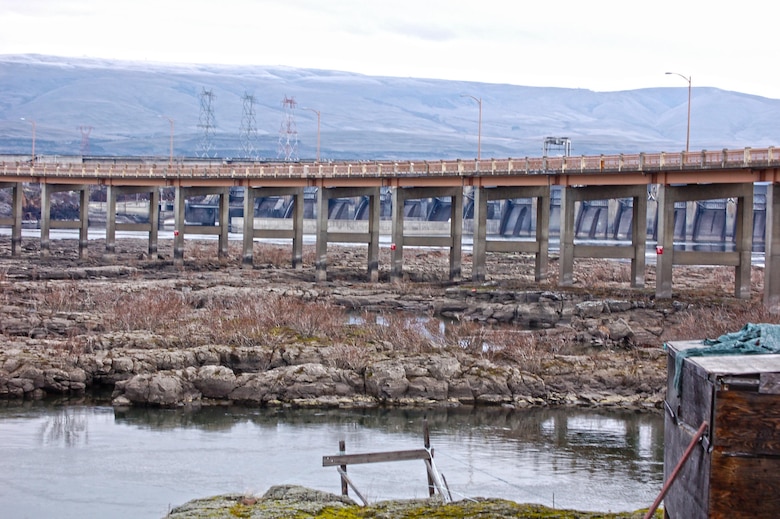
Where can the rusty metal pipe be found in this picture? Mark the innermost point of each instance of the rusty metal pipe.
(676, 471)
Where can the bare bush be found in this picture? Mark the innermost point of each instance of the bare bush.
(713, 321)
(64, 297)
(349, 356)
(147, 310)
(518, 348)
(267, 319)
(602, 272)
(402, 332)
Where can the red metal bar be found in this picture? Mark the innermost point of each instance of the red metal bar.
(677, 469)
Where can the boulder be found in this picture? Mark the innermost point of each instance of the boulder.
(386, 380)
(214, 381)
(164, 389)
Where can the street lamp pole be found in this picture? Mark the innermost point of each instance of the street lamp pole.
(318, 130)
(31, 121)
(688, 132)
(479, 130)
(170, 152)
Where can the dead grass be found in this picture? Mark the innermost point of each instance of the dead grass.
(503, 345)
(715, 320)
(601, 273)
(269, 319)
(152, 310)
(402, 333)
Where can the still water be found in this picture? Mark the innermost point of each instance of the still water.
(76, 461)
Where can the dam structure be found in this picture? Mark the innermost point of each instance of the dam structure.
(719, 197)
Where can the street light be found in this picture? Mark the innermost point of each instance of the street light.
(479, 134)
(170, 154)
(31, 121)
(318, 130)
(688, 132)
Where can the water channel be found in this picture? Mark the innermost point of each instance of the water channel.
(75, 460)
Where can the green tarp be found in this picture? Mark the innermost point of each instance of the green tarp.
(752, 339)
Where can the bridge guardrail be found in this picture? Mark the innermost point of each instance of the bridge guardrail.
(641, 162)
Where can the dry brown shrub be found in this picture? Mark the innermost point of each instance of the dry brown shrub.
(349, 356)
(595, 273)
(502, 345)
(148, 310)
(713, 321)
(269, 318)
(275, 255)
(63, 297)
(404, 333)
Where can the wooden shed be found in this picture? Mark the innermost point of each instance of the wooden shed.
(734, 471)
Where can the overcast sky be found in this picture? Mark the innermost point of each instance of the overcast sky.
(602, 45)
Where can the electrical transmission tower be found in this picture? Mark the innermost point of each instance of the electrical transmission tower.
(207, 124)
(248, 130)
(85, 131)
(288, 134)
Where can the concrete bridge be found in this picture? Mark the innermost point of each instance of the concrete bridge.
(667, 180)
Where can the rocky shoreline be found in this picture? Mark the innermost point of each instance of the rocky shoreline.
(149, 332)
(61, 346)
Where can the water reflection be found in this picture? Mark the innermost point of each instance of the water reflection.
(66, 426)
(584, 459)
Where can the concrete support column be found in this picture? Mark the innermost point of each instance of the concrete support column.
(297, 241)
(111, 194)
(456, 235)
(16, 225)
(154, 221)
(397, 243)
(224, 223)
(46, 191)
(639, 240)
(479, 247)
(772, 254)
(247, 250)
(178, 232)
(321, 262)
(566, 274)
(542, 235)
(744, 243)
(665, 257)
(374, 216)
(83, 221)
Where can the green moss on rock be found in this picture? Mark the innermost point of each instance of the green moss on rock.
(295, 502)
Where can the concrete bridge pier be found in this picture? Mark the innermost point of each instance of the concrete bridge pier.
(180, 227)
(15, 221)
(250, 233)
(772, 251)
(47, 223)
(151, 227)
(324, 195)
(740, 259)
(400, 239)
(635, 252)
(482, 245)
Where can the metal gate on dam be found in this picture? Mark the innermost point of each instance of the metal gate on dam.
(708, 224)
